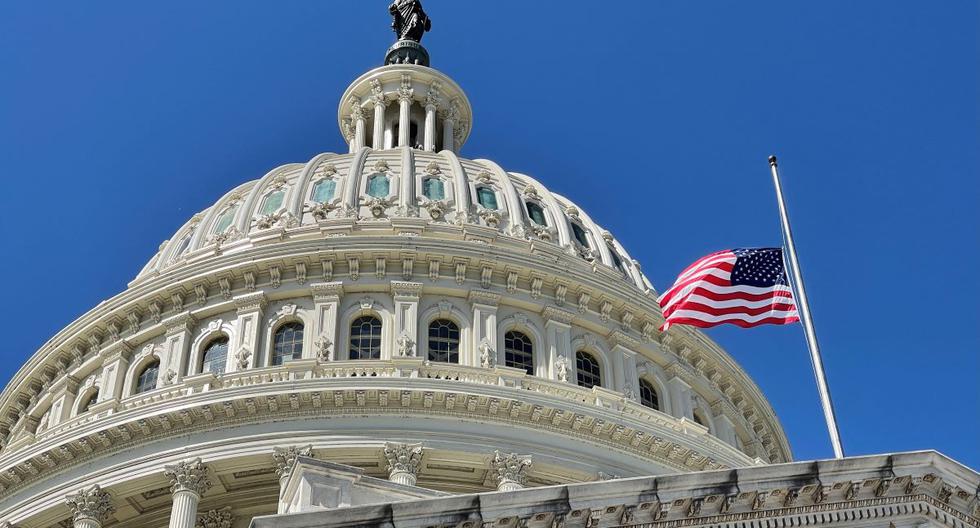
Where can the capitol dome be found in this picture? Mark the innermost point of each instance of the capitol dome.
(431, 320)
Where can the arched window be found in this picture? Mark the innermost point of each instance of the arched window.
(699, 418)
(580, 235)
(648, 395)
(486, 197)
(88, 401)
(147, 380)
(324, 190)
(433, 189)
(378, 185)
(518, 351)
(287, 343)
(536, 213)
(588, 372)
(224, 220)
(215, 356)
(182, 247)
(272, 202)
(443, 341)
(365, 338)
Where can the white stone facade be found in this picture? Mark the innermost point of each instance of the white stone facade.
(434, 321)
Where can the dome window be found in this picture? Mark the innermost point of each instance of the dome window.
(648, 395)
(433, 189)
(182, 247)
(89, 401)
(518, 351)
(147, 380)
(365, 338)
(588, 373)
(580, 235)
(444, 341)
(378, 186)
(288, 343)
(215, 356)
(272, 202)
(225, 219)
(324, 190)
(486, 197)
(536, 213)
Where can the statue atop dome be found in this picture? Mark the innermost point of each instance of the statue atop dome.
(409, 19)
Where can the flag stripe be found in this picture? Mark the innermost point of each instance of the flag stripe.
(744, 287)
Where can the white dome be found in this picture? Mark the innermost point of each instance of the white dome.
(388, 294)
(332, 192)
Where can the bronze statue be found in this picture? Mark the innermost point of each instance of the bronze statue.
(409, 20)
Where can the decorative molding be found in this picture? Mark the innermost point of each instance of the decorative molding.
(215, 519)
(509, 469)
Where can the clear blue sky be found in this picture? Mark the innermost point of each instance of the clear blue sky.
(120, 119)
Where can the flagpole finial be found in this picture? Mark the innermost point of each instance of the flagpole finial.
(772, 161)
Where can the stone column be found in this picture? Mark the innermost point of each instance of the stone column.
(447, 133)
(403, 462)
(115, 363)
(406, 300)
(188, 481)
(405, 94)
(558, 360)
(484, 306)
(90, 507)
(326, 302)
(65, 391)
(177, 347)
(431, 105)
(357, 119)
(509, 470)
(243, 355)
(680, 395)
(285, 458)
(380, 102)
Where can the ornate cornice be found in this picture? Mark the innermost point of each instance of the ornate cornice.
(551, 313)
(483, 297)
(326, 291)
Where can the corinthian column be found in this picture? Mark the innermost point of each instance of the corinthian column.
(509, 470)
(89, 507)
(431, 105)
(188, 481)
(380, 102)
(285, 462)
(403, 462)
(405, 94)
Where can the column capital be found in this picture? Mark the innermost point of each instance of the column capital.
(405, 91)
(378, 96)
(250, 302)
(403, 461)
(286, 458)
(623, 340)
(509, 470)
(557, 315)
(432, 96)
(326, 291)
(356, 112)
(191, 475)
(182, 322)
(93, 504)
(215, 519)
(484, 297)
(411, 290)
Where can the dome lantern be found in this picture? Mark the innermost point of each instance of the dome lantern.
(405, 103)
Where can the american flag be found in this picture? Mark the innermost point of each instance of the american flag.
(744, 287)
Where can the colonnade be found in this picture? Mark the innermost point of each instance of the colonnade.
(436, 112)
(92, 507)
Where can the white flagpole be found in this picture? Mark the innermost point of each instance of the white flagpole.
(804, 308)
